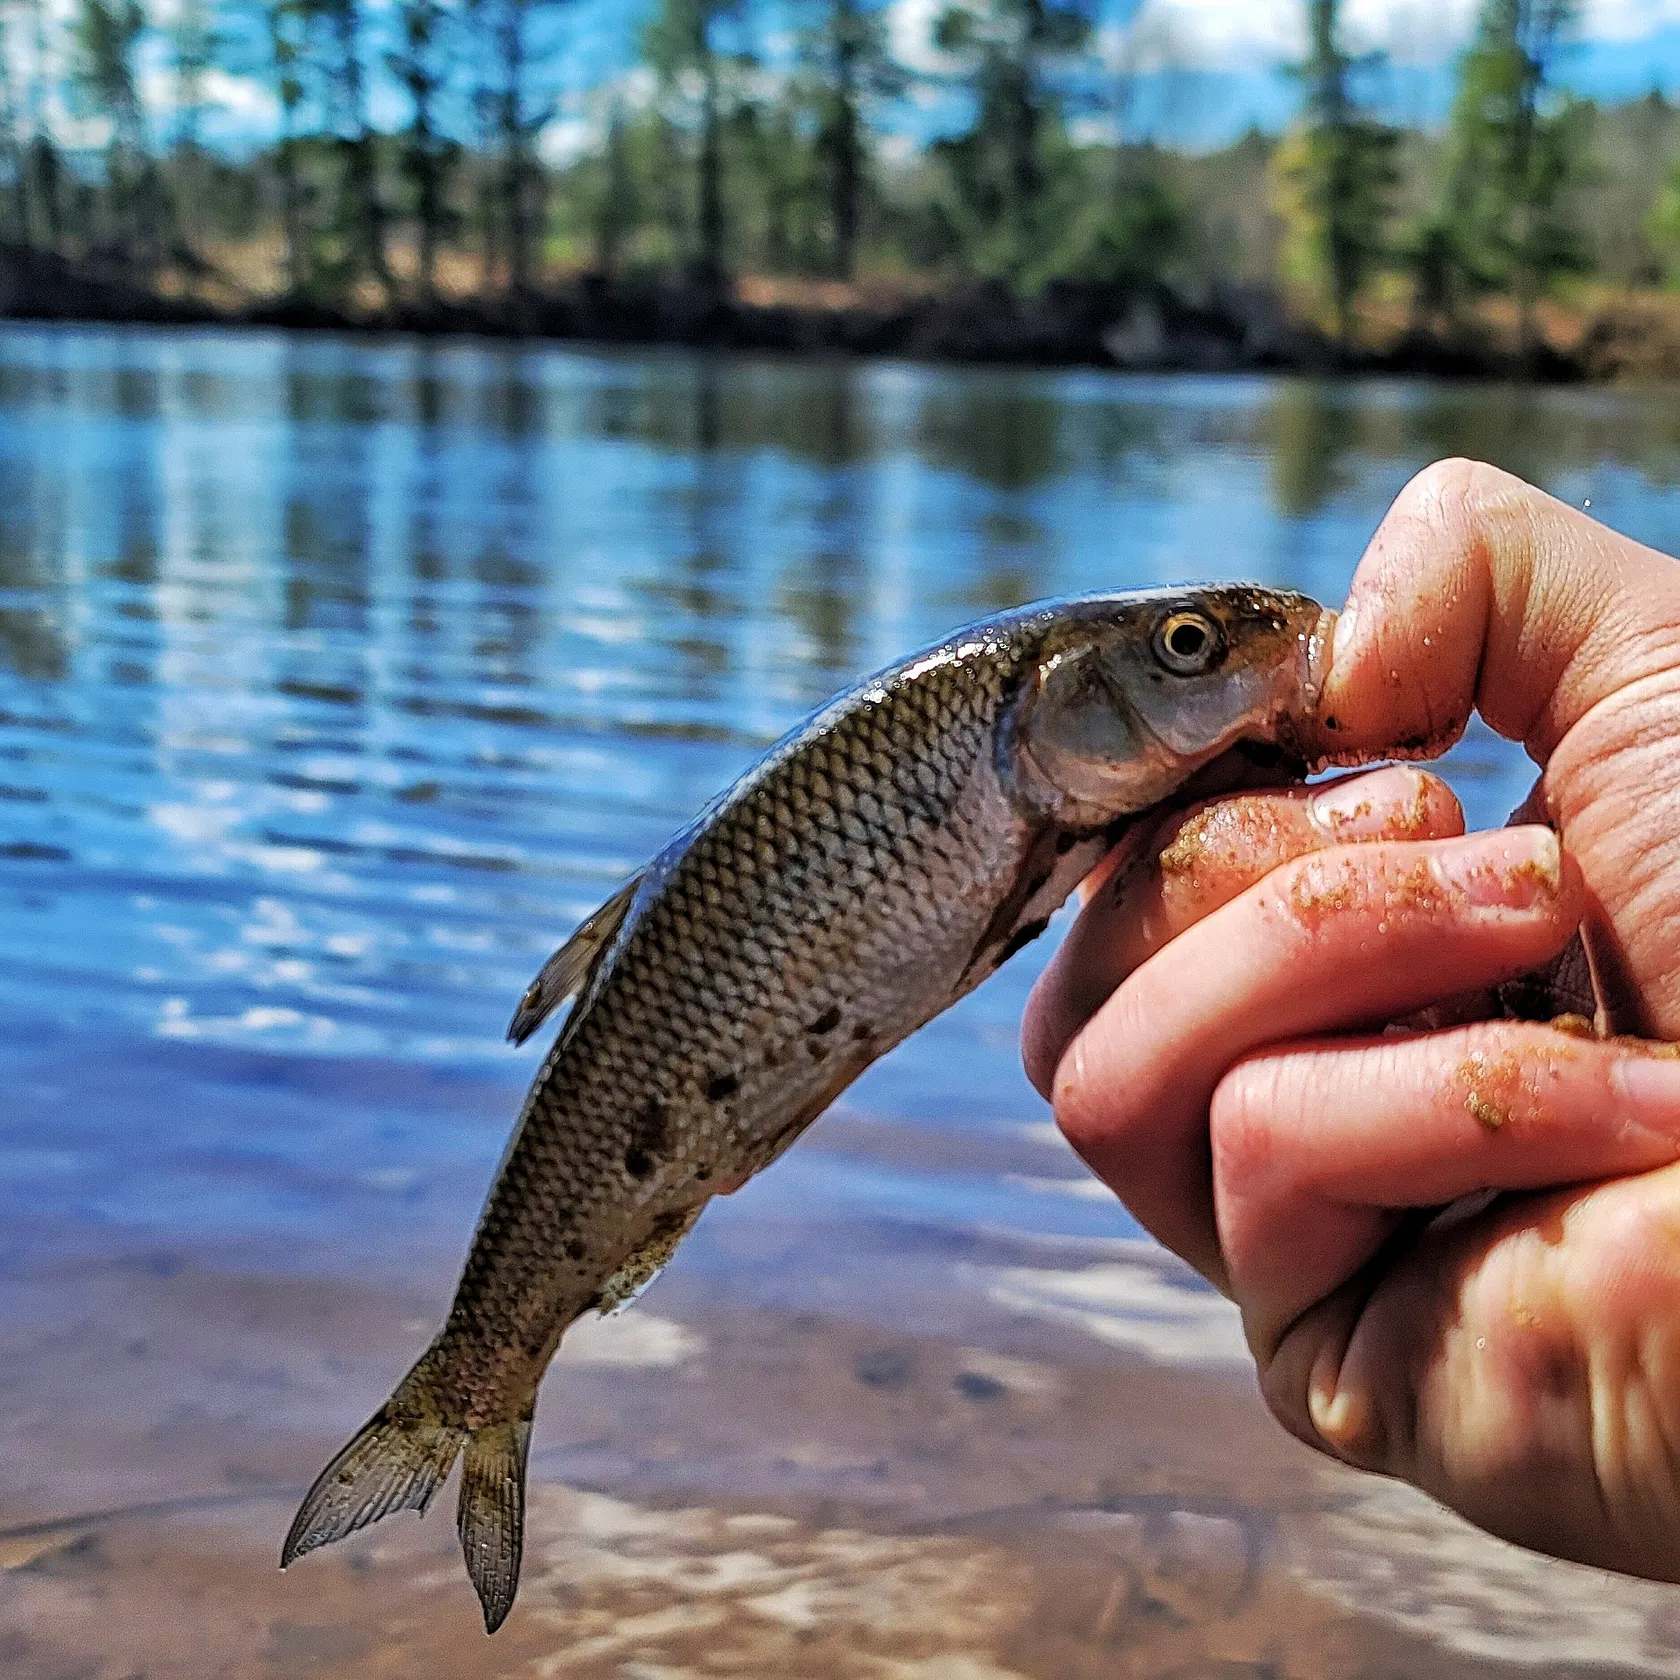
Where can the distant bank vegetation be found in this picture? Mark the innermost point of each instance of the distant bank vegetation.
(745, 165)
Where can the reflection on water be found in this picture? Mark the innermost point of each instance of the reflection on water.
(338, 679)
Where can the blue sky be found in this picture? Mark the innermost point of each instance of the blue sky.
(1203, 71)
(1208, 103)
(1200, 71)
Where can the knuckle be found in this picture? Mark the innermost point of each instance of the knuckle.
(1457, 493)
(1091, 1106)
(1244, 1130)
(1071, 1097)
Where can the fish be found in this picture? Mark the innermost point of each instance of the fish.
(872, 868)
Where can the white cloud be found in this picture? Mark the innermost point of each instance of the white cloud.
(910, 36)
(1248, 34)
(1629, 20)
(567, 139)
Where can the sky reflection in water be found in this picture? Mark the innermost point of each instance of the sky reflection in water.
(338, 679)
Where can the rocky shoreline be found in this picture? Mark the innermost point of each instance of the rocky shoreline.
(1149, 328)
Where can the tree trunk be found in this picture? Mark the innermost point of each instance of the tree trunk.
(711, 165)
(614, 212)
(846, 182)
(291, 206)
(513, 186)
(41, 179)
(361, 184)
(1023, 117)
(428, 195)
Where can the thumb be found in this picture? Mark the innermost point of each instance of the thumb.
(1479, 592)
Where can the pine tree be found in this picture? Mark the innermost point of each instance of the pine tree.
(682, 39)
(1516, 149)
(1012, 51)
(426, 156)
(1335, 175)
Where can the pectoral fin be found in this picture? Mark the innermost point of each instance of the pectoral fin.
(567, 972)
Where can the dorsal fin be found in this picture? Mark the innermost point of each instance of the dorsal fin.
(567, 972)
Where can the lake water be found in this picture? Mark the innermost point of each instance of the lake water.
(338, 680)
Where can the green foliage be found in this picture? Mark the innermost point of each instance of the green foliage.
(1516, 150)
(1663, 225)
(1334, 178)
(1131, 234)
(1015, 178)
(102, 74)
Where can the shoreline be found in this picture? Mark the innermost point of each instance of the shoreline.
(1069, 324)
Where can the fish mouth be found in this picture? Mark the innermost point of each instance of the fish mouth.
(1316, 659)
(1244, 767)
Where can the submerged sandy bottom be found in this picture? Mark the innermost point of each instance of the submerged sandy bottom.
(729, 1490)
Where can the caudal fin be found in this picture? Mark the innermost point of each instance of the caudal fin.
(397, 1462)
(491, 1516)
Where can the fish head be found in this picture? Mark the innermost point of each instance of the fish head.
(1134, 693)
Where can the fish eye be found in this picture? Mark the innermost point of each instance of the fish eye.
(1187, 643)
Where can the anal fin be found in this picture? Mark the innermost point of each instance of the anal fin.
(645, 1264)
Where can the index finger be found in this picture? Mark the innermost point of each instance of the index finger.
(1199, 862)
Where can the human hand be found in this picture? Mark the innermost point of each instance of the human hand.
(1211, 1036)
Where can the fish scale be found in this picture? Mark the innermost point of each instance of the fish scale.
(874, 867)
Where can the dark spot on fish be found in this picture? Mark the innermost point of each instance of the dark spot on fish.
(972, 1385)
(1417, 743)
(652, 1128)
(818, 1050)
(863, 1030)
(1330, 723)
(772, 1055)
(1023, 936)
(652, 1125)
(575, 1248)
(702, 1172)
(722, 1085)
(1038, 883)
(1066, 841)
(827, 1021)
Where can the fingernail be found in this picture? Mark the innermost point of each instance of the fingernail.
(1347, 1423)
(1364, 807)
(1649, 1082)
(1513, 868)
